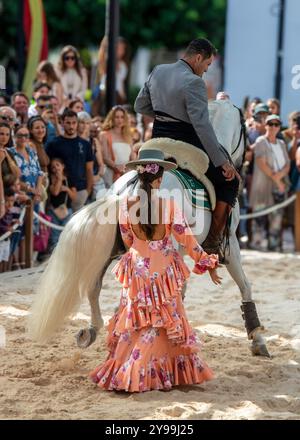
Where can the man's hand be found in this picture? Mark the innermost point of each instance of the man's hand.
(230, 172)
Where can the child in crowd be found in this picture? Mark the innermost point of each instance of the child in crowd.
(6, 225)
(60, 198)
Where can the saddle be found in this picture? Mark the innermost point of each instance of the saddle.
(190, 159)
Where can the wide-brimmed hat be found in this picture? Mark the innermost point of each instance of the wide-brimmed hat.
(151, 157)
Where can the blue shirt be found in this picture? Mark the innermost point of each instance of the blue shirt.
(75, 153)
(31, 170)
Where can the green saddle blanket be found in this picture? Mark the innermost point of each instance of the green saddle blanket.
(194, 189)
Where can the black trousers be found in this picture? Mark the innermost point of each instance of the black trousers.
(226, 191)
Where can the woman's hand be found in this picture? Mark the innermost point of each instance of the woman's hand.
(280, 186)
(216, 279)
(3, 155)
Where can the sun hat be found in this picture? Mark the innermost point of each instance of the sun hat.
(261, 108)
(273, 118)
(151, 158)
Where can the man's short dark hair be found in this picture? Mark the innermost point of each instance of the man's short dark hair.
(68, 114)
(201, 46)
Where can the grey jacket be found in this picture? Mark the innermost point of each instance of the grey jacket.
(175, 89)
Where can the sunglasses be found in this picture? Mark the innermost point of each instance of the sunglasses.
(66, 58)
(273, 124)
(7, 118)
(22, 135)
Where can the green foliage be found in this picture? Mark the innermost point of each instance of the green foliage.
(150, 23)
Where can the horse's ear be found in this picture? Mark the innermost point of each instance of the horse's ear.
(172, 159)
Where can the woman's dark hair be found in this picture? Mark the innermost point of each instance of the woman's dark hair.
(201, 46)
(30, 124)
(58, 159)
(146, 180)
(48, 68)
(5, 125)
(18, 128)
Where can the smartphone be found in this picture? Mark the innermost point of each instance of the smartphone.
(49, 107)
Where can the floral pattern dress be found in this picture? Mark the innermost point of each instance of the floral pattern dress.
(151, 343)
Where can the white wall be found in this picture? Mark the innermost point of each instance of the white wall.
(291, 97)
(250, 51)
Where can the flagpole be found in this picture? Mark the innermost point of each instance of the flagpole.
(20, 45)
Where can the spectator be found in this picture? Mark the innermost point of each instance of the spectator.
(47, 74)
(8, 115)
(76, 154)
(39, 89)
(7, 163)
(121, 74)
(17, 245)
(72, 75)
(274, 106)
(148, 132)
(4, 100)
(84, 125)
(38, 134)
(27, 161)
(116, 144)
(99, 189)
(60, 198)
(269, 182)
(20, 103)
(76, 105)
(6, 225)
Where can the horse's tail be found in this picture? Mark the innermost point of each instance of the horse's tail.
(83, 249)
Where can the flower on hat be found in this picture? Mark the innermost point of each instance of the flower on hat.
(151, 168)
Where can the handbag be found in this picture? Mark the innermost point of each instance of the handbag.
(278, 196)
(41, 238)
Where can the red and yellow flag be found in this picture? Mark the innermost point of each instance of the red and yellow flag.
(36, 40)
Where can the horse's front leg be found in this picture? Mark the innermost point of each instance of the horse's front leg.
(85, 337)
(249, 313)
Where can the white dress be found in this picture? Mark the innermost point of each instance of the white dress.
(122, 151)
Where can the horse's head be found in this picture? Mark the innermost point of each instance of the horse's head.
(226, 121)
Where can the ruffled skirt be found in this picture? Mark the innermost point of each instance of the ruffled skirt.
(151, 343)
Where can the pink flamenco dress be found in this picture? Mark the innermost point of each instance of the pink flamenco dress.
(151, 343)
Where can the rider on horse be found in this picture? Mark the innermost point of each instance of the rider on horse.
(175, 96)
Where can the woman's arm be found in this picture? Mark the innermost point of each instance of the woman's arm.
(184, 236)
(99, 157)
(56, 184)
(2, 199)
(106, 153)
(72, 192)
(12, 165)
(265, 167)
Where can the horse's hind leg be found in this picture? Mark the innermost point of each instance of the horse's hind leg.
(249, 312)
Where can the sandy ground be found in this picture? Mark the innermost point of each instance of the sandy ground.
(50, 381)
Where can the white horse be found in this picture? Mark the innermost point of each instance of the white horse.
(86, 248)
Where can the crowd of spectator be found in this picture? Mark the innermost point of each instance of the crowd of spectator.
(59, 153)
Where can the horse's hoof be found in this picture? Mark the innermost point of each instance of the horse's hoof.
(260, 350)
(86, 337)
